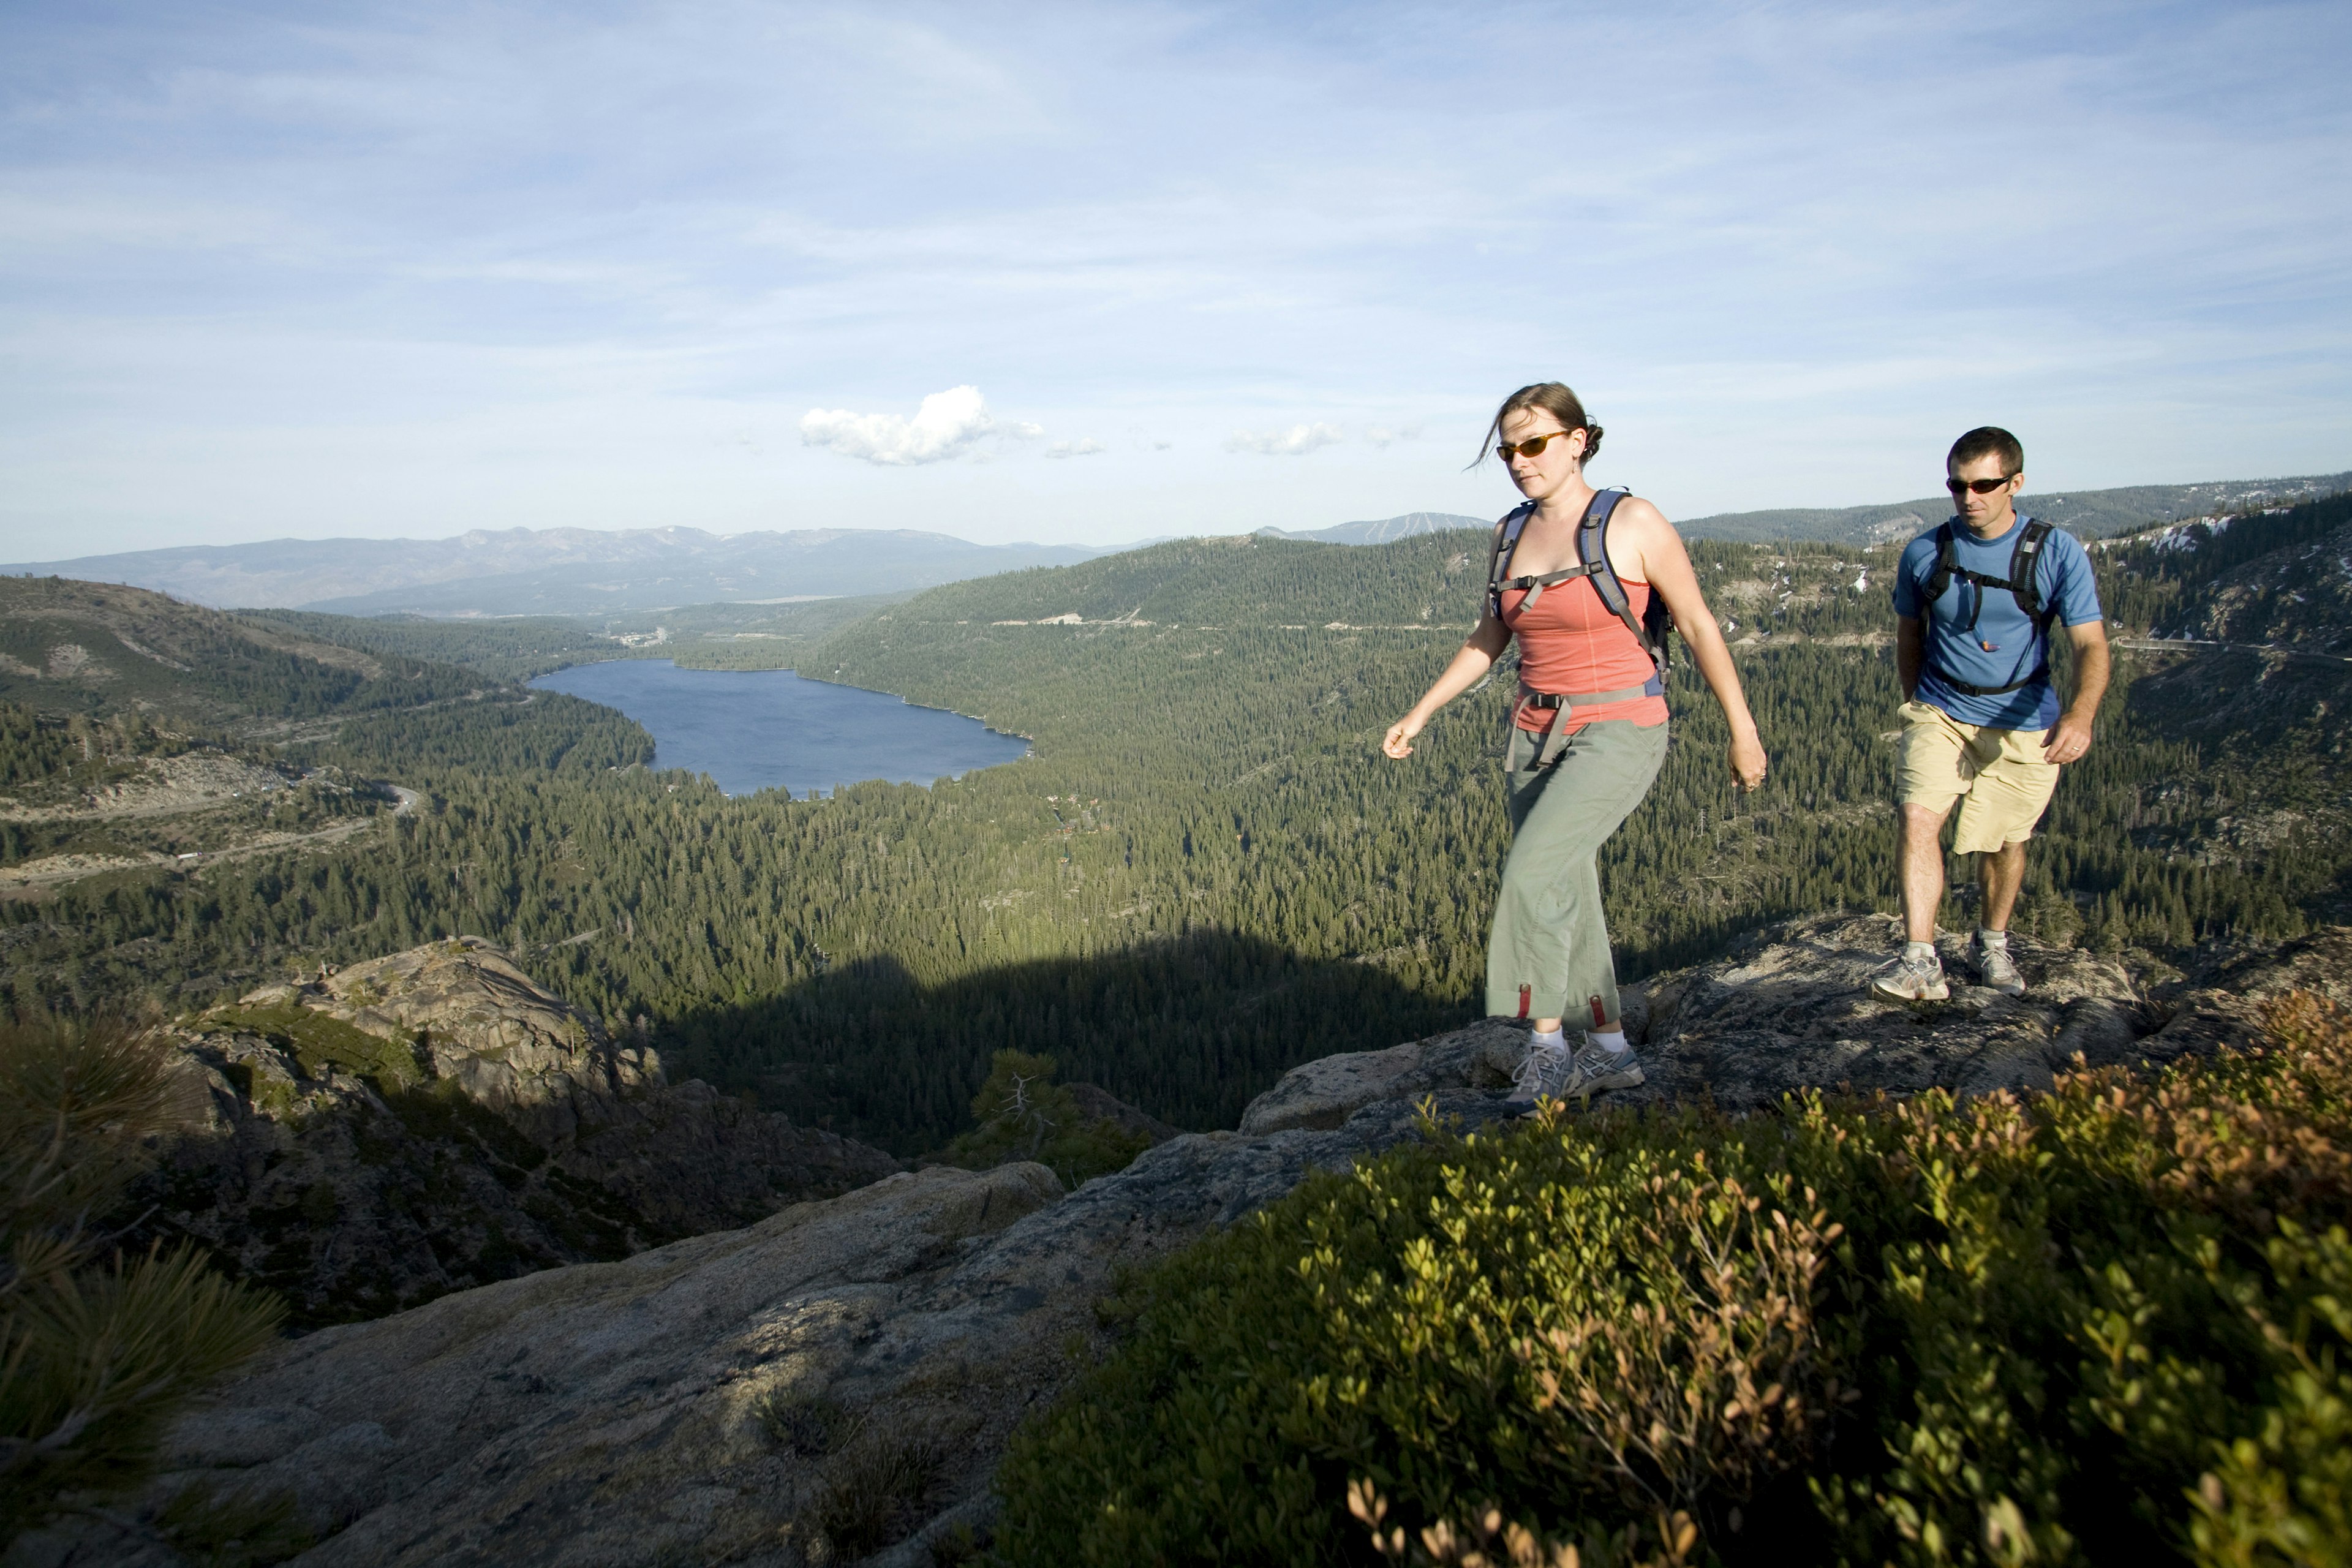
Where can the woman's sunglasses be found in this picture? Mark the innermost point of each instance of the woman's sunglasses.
(1532, 447)
(1981, 486)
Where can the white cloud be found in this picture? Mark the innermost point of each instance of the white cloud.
(1085, 447)
(1382, 435)
(947, 425)
(1295, 442)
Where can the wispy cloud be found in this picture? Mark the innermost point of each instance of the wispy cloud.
(1295, 442)
(947, 425)
(1085, 447)
(535, 264)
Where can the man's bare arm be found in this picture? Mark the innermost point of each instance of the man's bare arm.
(1910, 653)
(2070, 736)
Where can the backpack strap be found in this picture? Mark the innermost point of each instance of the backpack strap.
(2023, 584)
(1947, 560)
(2024, 576)
(1592, 548)
(1507, 529)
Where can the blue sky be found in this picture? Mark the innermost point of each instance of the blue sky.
(416, 268)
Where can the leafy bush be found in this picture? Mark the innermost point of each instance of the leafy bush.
(96, 1350)
(2109, 1324)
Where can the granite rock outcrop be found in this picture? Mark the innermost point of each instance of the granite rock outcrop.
(838, 1381)
(432, 1121)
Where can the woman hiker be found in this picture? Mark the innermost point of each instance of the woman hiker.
(1588, 729)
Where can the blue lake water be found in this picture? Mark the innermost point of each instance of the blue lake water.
(768, 729)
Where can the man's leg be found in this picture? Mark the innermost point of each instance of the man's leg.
(1931, 771)
(1921, 863)
(2001, 873)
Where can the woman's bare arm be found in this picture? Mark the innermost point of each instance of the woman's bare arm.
(1666, 565)
(1468, 666)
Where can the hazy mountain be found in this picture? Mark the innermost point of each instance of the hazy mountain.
(1385, 529)
(555, 570)
(2089, 514)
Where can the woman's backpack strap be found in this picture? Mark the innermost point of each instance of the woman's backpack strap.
(1498, 558)
(1650, 627)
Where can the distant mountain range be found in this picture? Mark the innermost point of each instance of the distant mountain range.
(2088, 514)
(555, 570)
(1383, 532)
(589, 572)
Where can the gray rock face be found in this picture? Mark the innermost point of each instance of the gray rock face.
(434, 1121)
(658, 1408)
(1787, 1009)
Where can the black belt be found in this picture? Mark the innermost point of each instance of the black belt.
(1959, 685)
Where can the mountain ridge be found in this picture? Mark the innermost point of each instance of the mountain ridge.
(560, 571)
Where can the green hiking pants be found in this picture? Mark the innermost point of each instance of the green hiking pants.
(1548, 956)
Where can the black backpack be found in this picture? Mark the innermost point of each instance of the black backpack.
(1652, 627)
(2020, 583)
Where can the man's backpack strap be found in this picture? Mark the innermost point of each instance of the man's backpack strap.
(1947, 560)
(2023, 582)
(2024, 578)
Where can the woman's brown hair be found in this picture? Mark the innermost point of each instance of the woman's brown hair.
(1553, 398)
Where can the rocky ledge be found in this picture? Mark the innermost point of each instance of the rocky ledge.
(837, 1382)
(433, 1120)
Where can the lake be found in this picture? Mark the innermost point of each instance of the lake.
(768, 729)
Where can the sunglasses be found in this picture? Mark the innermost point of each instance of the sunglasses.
(1532, 447)
(1981, 486)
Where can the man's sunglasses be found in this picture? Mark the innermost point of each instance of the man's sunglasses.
(1981, 486)
(1532, 447)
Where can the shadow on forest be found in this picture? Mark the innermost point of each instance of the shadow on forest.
(1189, 1029)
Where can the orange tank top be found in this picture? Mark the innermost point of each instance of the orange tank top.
(1571, 643)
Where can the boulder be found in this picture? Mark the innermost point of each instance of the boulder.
(432, 1121)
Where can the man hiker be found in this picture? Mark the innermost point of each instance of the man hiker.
(1974, 602)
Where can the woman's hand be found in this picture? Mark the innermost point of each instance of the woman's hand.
(1399, 741)
(1748, 759)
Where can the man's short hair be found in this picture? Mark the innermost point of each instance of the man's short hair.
(1988, 441)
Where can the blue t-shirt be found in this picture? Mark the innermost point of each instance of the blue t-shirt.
(2006, 645)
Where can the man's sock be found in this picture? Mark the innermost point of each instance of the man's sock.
(1919, 950)
(1991, 938)
(1547, 1040)
(1614, 1042)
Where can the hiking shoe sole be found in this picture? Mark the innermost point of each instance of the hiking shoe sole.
(1889, 988)
(1630, 1076)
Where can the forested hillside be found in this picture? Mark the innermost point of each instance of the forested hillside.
(1205, 872)
(704, 637)
(97, 648)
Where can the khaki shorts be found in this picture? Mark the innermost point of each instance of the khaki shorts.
(1998, 775)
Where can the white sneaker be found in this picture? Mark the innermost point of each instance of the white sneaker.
(1909, 979)
(1546, 1072)
(1996, 969)
(1599, 1068)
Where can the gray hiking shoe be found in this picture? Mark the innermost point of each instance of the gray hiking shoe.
(1910, 979)
(1599, 1069)
(1995, 968)
(1542, 1074)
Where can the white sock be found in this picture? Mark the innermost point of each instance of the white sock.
(1612, 1042)
(1547, 1040)
(1919, 950)
(1991, 938)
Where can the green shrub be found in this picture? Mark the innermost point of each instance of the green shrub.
(2110, 1324)
(320, 1041)
(1023, 1114)
(97, 1349)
